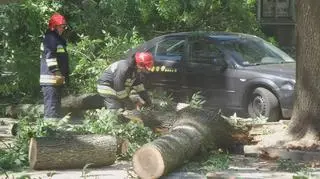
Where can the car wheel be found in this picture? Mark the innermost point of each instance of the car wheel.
(264, 103)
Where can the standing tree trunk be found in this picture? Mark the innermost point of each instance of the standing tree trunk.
(304, 128)
(306, 113)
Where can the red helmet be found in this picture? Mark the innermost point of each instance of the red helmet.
(144, 60)
(55, 20)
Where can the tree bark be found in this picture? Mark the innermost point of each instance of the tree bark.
(70, 103)
(194, 130)
(73, 151)
(306, 112)
(304, 129)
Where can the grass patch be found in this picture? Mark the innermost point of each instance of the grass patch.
(214, 161)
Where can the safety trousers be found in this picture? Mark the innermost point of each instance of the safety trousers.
(52, 102)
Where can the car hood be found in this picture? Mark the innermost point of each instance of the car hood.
(286, 70)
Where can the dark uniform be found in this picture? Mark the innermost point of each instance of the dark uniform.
(118, 80)
(54, 62)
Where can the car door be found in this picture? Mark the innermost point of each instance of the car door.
(204, 71)
(168, 53)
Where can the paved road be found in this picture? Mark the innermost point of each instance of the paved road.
(254, 169)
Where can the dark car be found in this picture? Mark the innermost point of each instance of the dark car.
(234, 71)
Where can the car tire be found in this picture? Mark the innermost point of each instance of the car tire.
(264, 102)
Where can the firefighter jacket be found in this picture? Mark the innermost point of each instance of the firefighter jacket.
(120, 78)
(54, 59)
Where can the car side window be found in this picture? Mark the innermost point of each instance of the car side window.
(206, 52)
(168, 49)
(248, 51)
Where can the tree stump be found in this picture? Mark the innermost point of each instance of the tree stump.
(193, 130)
(73, 151)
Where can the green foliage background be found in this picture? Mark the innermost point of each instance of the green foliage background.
(100, 32)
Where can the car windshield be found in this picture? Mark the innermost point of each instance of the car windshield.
(254, 51)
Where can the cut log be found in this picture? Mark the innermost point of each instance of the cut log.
(193, 130)
(70, 103)
(74, 151)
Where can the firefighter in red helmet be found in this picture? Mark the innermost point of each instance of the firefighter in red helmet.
(117, 81)
(54, 66)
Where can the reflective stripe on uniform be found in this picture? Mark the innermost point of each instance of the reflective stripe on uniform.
(107, 90)
(139, 88)
(60, 49)
(49, 79)
(51, 62)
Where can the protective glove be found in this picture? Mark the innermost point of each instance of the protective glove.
(59, 78)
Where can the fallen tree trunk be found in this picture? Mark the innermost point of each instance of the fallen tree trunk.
(73, 104)
(74, 151)
(194, 129)
(70, 103)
